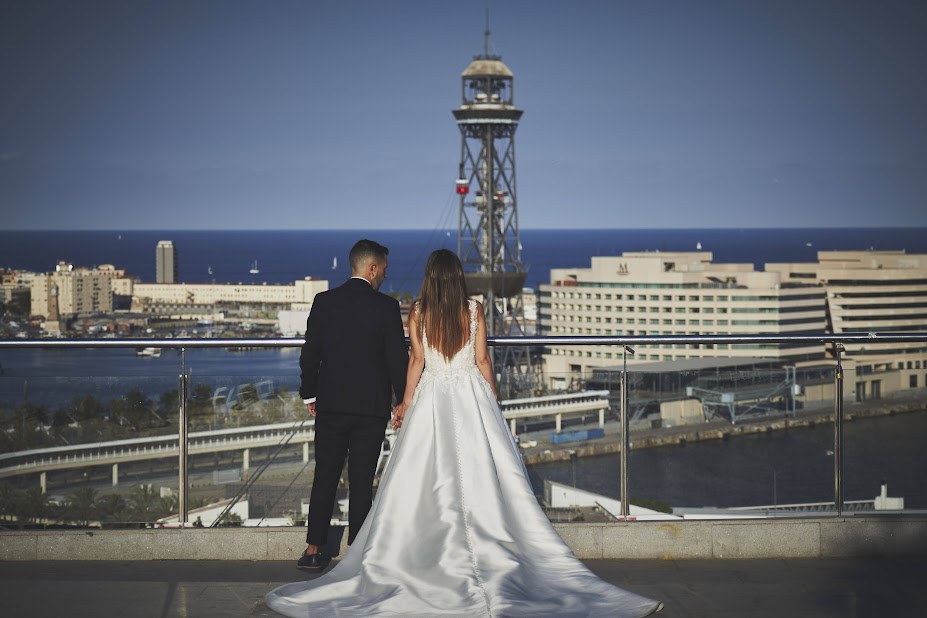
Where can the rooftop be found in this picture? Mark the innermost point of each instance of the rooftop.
(719, 588)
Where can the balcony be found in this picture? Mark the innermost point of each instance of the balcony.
(712, 458)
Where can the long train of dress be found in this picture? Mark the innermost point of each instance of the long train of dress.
(455, 529)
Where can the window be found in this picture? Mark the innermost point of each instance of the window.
(912, 381)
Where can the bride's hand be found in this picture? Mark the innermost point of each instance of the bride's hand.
(399, 414)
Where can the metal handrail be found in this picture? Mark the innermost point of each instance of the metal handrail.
(546, 340)
(838, 343)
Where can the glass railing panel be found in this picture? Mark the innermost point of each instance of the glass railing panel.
(87, 437)
(569, 438)
(728, 439)
(732, 442)
(883, 434)
(709, 436)
(251, 452)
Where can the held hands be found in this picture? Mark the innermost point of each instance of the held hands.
(399, 414)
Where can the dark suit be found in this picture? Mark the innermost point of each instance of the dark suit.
(353, 362)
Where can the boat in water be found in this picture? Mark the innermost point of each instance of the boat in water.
(254, 269)
(148, 352)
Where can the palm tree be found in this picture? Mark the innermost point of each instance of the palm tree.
(32, 505)
(81, 506)
(143, 504)
(7, 499)
(112, 508)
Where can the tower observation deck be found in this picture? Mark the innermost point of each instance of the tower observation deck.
(488, 243)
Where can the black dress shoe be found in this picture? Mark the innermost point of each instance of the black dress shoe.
(312, 562)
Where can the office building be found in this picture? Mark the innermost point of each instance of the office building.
(166, 255)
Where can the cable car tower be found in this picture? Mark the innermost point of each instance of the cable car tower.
(487, 241)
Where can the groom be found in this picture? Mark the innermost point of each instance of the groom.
(354, 360)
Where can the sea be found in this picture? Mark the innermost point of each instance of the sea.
(284, 256)
(783, 467)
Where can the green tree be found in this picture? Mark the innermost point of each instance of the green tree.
(7, 499)
(112, 508)
(86, 407)
(134, 410)
(230, 519)
(199, 408)
(32, 505)
(144, 504)
(169, 402)
(26, 425)
(19, 306)
(81, 506)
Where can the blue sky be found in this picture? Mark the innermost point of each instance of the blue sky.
(337, 115)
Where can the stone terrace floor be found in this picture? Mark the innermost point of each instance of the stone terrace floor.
(878, 587)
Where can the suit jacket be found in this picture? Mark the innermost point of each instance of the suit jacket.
(355, 356)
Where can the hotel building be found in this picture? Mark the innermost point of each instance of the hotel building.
(686, 294)
(873, 292)
(676, 294)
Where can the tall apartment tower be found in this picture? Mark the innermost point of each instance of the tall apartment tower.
(487, 242)
(166, 256)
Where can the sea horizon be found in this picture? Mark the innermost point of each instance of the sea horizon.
(284, 256)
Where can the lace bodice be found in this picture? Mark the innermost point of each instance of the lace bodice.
(464, 360)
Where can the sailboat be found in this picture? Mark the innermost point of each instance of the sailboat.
(335, 262)
(254, 269)
(209, 270)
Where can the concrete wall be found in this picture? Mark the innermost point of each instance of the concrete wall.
(714, 540)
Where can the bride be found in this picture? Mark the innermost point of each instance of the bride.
(455, 529)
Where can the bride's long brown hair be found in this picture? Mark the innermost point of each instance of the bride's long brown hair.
(442, 305)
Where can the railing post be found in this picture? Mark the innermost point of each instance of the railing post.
(838, 431)
(625, 437)
(182, 515)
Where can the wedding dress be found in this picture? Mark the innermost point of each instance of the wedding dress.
(455, 528)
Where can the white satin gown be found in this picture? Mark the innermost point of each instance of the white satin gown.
(455, 528)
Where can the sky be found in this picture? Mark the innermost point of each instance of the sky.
(337, 115)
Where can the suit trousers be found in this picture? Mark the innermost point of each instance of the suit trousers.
(337, 437)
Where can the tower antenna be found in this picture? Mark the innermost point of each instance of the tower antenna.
(486, 36)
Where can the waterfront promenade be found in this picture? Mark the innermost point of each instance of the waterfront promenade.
(767, 588)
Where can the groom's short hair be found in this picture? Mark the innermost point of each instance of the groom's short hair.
(365, 250)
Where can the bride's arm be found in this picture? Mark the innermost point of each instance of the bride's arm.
(414, 371)
(483, 359)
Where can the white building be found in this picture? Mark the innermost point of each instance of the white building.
(69, 291)
(686, 294)
(675, 294)
(151, 297)
(166, 262)
(873, 292)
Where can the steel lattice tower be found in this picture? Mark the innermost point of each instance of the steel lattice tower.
(487, 242)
